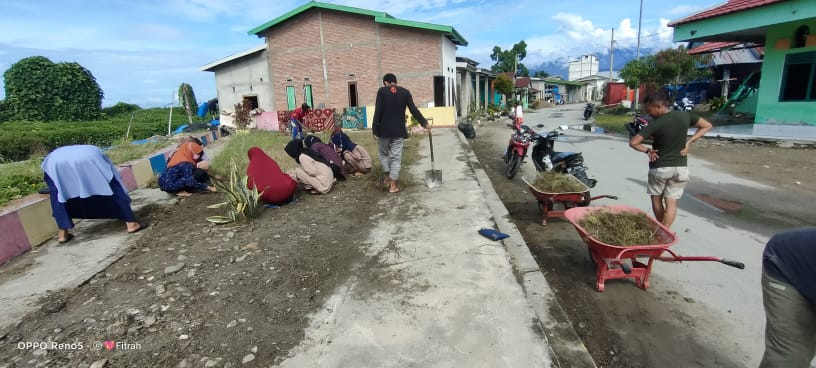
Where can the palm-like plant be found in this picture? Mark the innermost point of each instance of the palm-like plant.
(242, 203)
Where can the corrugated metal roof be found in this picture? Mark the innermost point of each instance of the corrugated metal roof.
(233, 57)
(725, 53)
(711, 46)
(732, 6)
(523, 82)
(740, 56)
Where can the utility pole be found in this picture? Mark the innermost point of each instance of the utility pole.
(611, 54)
(637, 90)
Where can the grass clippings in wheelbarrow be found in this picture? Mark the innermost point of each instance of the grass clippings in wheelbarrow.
(553, 182)
(620, 229)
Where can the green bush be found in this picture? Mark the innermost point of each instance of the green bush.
(716, 103)
(120, 108)
(19, 140)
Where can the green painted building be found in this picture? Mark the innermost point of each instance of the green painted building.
(786, 102)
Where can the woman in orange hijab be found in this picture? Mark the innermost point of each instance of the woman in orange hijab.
(265, 175)
(178, 177)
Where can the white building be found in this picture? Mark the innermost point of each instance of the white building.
(244, 75)
(585, 66)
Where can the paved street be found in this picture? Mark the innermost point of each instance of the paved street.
(720, 305)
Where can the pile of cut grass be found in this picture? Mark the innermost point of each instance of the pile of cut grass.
(553, 182)
(621, 229)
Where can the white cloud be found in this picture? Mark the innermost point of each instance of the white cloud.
(578, 36)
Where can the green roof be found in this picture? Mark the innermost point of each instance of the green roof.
(379, 17)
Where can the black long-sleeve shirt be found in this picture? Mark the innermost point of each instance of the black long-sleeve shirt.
(389, 112)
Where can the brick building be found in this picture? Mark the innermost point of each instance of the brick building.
(335, 56)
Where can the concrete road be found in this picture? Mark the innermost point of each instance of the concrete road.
(724, 304)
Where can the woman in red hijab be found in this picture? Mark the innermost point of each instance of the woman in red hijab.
(265, 175)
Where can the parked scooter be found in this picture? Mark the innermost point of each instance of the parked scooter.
(546, 159)
(688, 105)
(639, 122)
(517, 150)
(588, 110)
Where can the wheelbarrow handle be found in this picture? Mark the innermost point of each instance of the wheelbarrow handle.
(729, 262)
(604, 196)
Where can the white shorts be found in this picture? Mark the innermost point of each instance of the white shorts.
(668, 181)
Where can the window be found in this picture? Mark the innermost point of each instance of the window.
(252, 101)
(307, 95)
(352, 92)
(799, 77)
(800, 37)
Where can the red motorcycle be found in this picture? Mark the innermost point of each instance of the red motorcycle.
(517, 150)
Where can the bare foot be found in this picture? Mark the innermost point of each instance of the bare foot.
(394, 188)
(212, 188)
(357, 174)
(184, 194)
(132, 226)
(217, 177)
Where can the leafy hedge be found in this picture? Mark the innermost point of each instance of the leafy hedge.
(20, 140)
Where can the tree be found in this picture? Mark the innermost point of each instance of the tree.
(510, 60)
(541, 74)
(78, 96)
(504, 85)
(188, 100)
(668, 67)
(39, 90)
(638, 71)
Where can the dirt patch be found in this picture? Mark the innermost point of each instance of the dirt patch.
(622, 327)
(202, 295)
(789, 168)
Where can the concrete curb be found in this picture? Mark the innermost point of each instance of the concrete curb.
(567, 348)
(22, 220)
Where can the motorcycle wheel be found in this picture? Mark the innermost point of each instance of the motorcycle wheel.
(513, 165)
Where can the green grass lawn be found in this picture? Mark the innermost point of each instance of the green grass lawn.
(273, 144)
(613, 122)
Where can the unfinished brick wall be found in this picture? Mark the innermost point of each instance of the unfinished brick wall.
(353, 44)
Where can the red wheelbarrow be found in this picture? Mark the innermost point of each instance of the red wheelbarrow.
(610, 260)
(547, 201)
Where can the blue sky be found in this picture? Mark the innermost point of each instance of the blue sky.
(140, 51)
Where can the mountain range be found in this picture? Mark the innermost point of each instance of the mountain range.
(560, 66)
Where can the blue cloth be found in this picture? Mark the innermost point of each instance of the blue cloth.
(296, 128)
(791, 257)
(115, 206)
(343, 142)
(80, 171)
(202, 110)
(180, 129)
(493, 234)
(180, 178)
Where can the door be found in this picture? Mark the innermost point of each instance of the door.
(291, 102)
(439, 91)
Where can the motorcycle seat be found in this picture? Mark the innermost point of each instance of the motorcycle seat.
(562, 156)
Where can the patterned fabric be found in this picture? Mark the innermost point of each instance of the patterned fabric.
(354, 118)
(180, 178)
(318, 120)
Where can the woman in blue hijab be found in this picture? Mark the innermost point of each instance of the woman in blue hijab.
(83, 183)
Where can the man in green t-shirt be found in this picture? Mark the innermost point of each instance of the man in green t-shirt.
(668, 168)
